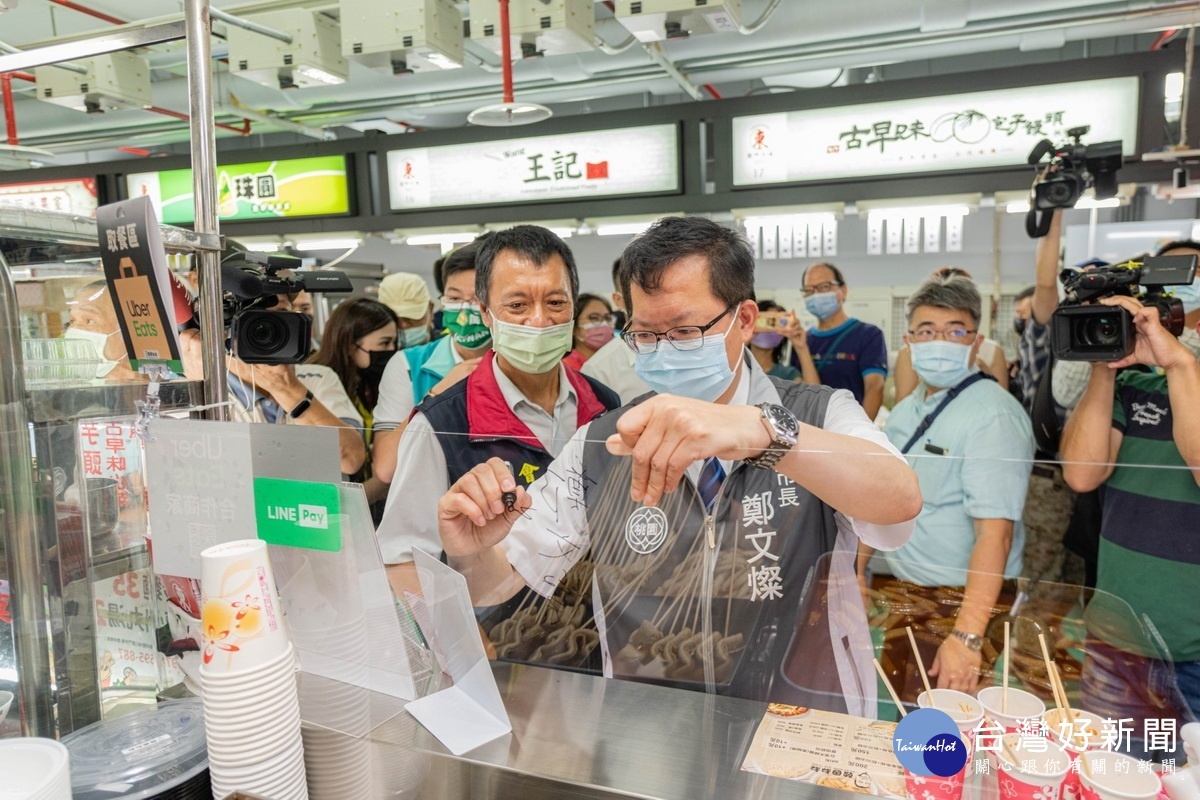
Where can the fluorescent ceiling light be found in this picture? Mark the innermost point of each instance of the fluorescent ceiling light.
(454, 237)
(623, 229)
(562, 233)
(1091, 202)
(320, 75)
(901, 212)
(1143, 235)
(262, 247)
(1173, 86)
(327, 244)
(441, 62)
(1021, 207)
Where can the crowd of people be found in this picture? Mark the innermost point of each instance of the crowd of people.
(601, 468)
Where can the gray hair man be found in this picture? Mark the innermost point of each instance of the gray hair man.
(971, 445)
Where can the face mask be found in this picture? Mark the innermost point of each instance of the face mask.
(822, 305)
(939, 364)
(701, 374)
(767, 340)
(1188, 295)
(414, 337)
(379, 361)
(529, 349)
(597, 334)
(1019, 326)
(99, 342)
(465, 323)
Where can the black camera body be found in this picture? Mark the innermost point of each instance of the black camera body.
(251, 284)
(1106, 333)
(1072, 169)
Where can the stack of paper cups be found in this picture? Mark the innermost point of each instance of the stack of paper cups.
(248, 674)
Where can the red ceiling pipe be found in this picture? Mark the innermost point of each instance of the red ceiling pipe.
(24, 76)
(708, 87)
(506, 51)
(10, 117)
(91, 12)
(242, 131)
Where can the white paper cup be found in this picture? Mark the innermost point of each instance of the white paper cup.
(241, 702)
(284, 664)
(1043, 781)
(1105, 775)
(241, 616)
(1055, 725)
(1022, 706)
(966, 711)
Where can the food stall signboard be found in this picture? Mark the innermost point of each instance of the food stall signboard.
(301, 187)
(69, 196)
(930, 134)
(565, 166)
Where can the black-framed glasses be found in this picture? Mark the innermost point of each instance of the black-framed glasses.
(683, 337)
(955, 335)
(820, 288)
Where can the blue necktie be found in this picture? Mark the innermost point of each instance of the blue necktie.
(711, 478)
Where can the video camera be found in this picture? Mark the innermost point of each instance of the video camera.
(1072, 169)
(1106, 333)
(250, 284)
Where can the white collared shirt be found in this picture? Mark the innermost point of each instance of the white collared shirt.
(421, 474)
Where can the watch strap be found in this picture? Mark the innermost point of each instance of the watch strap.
(973, 643)
(776, 450)
(302, 406)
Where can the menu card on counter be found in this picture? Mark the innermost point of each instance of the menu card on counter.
(828, 749)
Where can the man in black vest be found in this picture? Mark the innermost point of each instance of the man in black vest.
(741, 490)
(520, 407)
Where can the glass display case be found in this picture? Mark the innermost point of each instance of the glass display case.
(78, 617)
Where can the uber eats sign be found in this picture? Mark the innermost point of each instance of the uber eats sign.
(298, 513)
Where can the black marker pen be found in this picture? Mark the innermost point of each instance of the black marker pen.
(509, 498)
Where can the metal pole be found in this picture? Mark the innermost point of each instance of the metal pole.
(204, 183)
(22, 541)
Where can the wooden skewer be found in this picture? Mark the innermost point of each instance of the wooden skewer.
(1004, 694)
(921, 667)
(888, 684)
(1050, 674)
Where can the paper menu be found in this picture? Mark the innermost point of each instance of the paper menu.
(828, 749)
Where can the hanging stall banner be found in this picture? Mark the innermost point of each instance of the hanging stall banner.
(930, 134)
(69, 196)
(135, 266)
(542, 168)
(300, 187)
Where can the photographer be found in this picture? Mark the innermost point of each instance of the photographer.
(1149, 555)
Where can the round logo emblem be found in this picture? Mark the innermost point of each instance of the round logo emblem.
(646, 529)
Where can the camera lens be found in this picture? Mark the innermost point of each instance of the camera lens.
(1102, 332)
(1060, 193)
(266, 333)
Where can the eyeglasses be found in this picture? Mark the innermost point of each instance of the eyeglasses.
(955, 335)
(820, 288)
(591, 319)
(684, 337)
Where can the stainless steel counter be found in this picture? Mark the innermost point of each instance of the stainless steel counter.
(582, 736)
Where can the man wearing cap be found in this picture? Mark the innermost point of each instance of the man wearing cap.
(431, 368)
(521, 406)
(407, 295)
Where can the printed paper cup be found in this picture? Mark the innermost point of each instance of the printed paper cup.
(966, 711)
(1023, 706)
(933, 787)
(1086, 736)
(241, 616)
(1116, 776)
(1033, 775)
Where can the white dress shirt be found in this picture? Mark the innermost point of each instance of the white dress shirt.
(410, 516)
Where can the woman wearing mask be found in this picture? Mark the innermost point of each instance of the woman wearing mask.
(358, 341)
(767, 346)
(990, 358)
(593, 328)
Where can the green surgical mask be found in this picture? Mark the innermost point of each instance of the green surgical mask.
(530, 349)
(465, 323)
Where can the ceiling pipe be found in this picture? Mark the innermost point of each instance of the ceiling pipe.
(91, 12)
(236, 109)
(506, 51)
(10, 116)
(245, 24)
(655, 51)
(166, 112)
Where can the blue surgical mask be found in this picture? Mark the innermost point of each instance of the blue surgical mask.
(701, 374)
(822, 305)
(1189, 295)
(941, 364)
(415, 337)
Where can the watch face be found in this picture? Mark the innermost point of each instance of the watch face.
(783, 420)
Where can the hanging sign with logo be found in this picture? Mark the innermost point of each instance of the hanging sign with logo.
(69, 197)
(300, 187)
(930, 134)
(564, 166)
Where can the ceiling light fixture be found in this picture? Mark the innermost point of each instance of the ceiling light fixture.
(454, 237)
(327, 244)
(509, 112)
(623, 229)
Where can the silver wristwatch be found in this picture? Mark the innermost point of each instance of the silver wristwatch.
(784, 430)
(974, 643)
